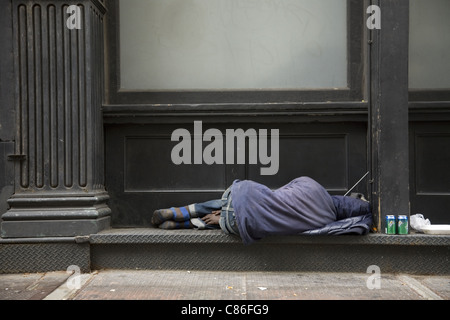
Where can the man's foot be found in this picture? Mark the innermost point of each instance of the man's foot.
(180, 214)
(161, 215)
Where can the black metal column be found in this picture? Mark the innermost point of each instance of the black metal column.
(59, 170)
(389, 111)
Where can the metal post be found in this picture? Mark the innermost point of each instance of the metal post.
(389, 111)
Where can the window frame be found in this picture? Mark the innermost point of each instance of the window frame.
(355, 91)
(437, 95)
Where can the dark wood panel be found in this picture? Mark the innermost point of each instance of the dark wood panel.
(149, 168)
(310, 155)
(141, 177)
(430, 174)
(432, 158)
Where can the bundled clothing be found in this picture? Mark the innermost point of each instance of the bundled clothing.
(301, 206)
(253, 211)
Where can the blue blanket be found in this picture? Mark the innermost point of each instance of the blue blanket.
(302, 206)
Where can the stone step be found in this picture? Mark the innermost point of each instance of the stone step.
(212, 250)
(149, 248)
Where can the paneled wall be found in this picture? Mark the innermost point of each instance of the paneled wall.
(141, 176)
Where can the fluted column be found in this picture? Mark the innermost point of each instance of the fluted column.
(59, 157)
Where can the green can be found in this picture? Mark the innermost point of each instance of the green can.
(390, 225)
(402, 225)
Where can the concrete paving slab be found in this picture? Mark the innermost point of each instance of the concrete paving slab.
(30, 286)
(201, 285)
(439, 285)
(218, 286)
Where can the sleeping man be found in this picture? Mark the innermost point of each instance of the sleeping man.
(252, 211)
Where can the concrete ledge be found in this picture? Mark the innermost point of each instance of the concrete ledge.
(159, 236)
(212, 250)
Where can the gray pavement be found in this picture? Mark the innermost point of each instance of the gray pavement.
(213, 285)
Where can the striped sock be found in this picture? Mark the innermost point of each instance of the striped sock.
(170, 224)
(178, 214)
(181, 214)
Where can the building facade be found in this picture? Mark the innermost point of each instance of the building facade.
(92, 92)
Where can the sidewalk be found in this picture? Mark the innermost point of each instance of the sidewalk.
(205, 285)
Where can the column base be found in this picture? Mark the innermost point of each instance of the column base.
(56, 216)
